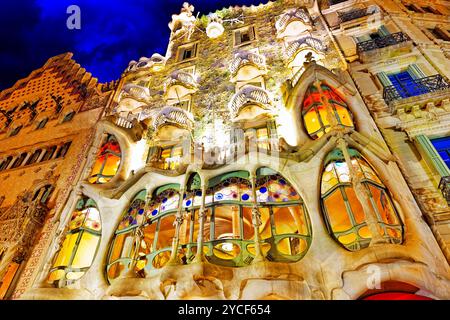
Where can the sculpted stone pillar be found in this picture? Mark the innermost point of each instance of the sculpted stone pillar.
(363, 197)
(256, 221)
(177, 224)
(200, 257)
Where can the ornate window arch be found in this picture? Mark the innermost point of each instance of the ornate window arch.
(321, 107)
(107, 162)
(343, 210)
(80, 244)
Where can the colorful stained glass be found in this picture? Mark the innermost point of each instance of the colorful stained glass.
(80, 243)
(315, 111)
(275, 188)
(107, 162)
(134, 214)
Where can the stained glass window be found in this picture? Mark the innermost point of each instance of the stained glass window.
(79, 246)
(343, 210)
(315, 112)
(107, 162)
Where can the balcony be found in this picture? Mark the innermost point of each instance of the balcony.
(172, 122)
(132, 99)
(250, 101)
(298, 45)
(180, 84)
(247, 65)
(383, 42)
(416, 88)
(444, 186)
(292, 23)
(357, 14)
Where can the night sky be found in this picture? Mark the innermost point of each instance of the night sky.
(113, 32)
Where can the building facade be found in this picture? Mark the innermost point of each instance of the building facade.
(291, 150)
(47, 123)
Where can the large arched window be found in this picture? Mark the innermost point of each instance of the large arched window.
(145, 232)
(343, 210)
(316, 114)
(107, 162)
(80, 244)
(285, 223)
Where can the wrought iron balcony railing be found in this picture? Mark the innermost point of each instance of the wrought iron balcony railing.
(444, 186)
(174, 116)
(357, 13)
(182, 78)
(382, 42)
(244, 58)
(290, 16)
(415, 88)
(247, 95)
(295, 46)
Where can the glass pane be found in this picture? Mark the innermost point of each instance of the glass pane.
(323, 113)
(115, 270)
(384, 206)
(249, 231)
(56, 275)
(289, 220)
(312, 122)
(146, 246)
(185, 228)
(226, 222)
(166, 232)
(364, 232)
(342, 171)
(122, 246)
(291, 246)
(161, 259)
(357, 209)
(265, 230)
(64, 255)
(226, 250)
(77, 219)
(93, 219)
(329, 178)
(344, 116)
(337, 212)
(227, 191)
(347, 239)
(169, 200)
(206, 229)
(85, 251)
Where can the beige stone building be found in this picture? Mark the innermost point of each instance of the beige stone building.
(291, 150)
(47, 123)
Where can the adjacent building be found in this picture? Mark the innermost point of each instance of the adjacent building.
(290, 150)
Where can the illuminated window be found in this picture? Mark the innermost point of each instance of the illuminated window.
(170, 158)
(187, 52)
(107, 162)
(80, 244)
(316, 114)
(343, 211)
(42, 124)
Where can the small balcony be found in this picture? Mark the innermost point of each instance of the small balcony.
(180, 84)
(414, 88)
(357, 14)
(444, 186)
(136, 92)
(247, 65)
(384, 47)
(250, 101)
(296, 46)
(172, 122)
(383, 42)
(292, 23)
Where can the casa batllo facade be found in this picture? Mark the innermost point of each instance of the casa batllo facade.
(291, 150)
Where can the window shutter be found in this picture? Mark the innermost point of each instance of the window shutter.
(415, 72)
(383, 31)
(251, 32)
(237, 37)
(383, 77)
(432, 156)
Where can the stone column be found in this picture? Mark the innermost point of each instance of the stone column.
(256, 221)
(177, 224)
(363, 197)
(200, 257)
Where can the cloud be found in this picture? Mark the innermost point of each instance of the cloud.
(113, 32)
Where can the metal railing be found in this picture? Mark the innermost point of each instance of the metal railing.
(415, 88)
(382, 42)
(357, 13)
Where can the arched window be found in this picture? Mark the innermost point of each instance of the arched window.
(16, 131)
(107, 163)
(63, 150)
(19, 160)
(343, 210)
(316, 114)
(4, 165)
(285, 225)
(81, 241)
(68, 117)
(34, 157)
(149, 232)
(49, 154)
(42, 123)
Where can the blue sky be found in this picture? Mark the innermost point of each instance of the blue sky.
(113, 32)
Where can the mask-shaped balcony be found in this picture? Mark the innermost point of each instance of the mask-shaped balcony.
(156, 63)
(179, 85)
(133, 98)
(250, 103)
(293, 23)
(246, 66)
(297, 50)
(172, 123)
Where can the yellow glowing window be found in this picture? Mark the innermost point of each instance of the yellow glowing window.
(344, 212)
(79, 245)
(321, 105)
(107, 162)
(170, 158)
